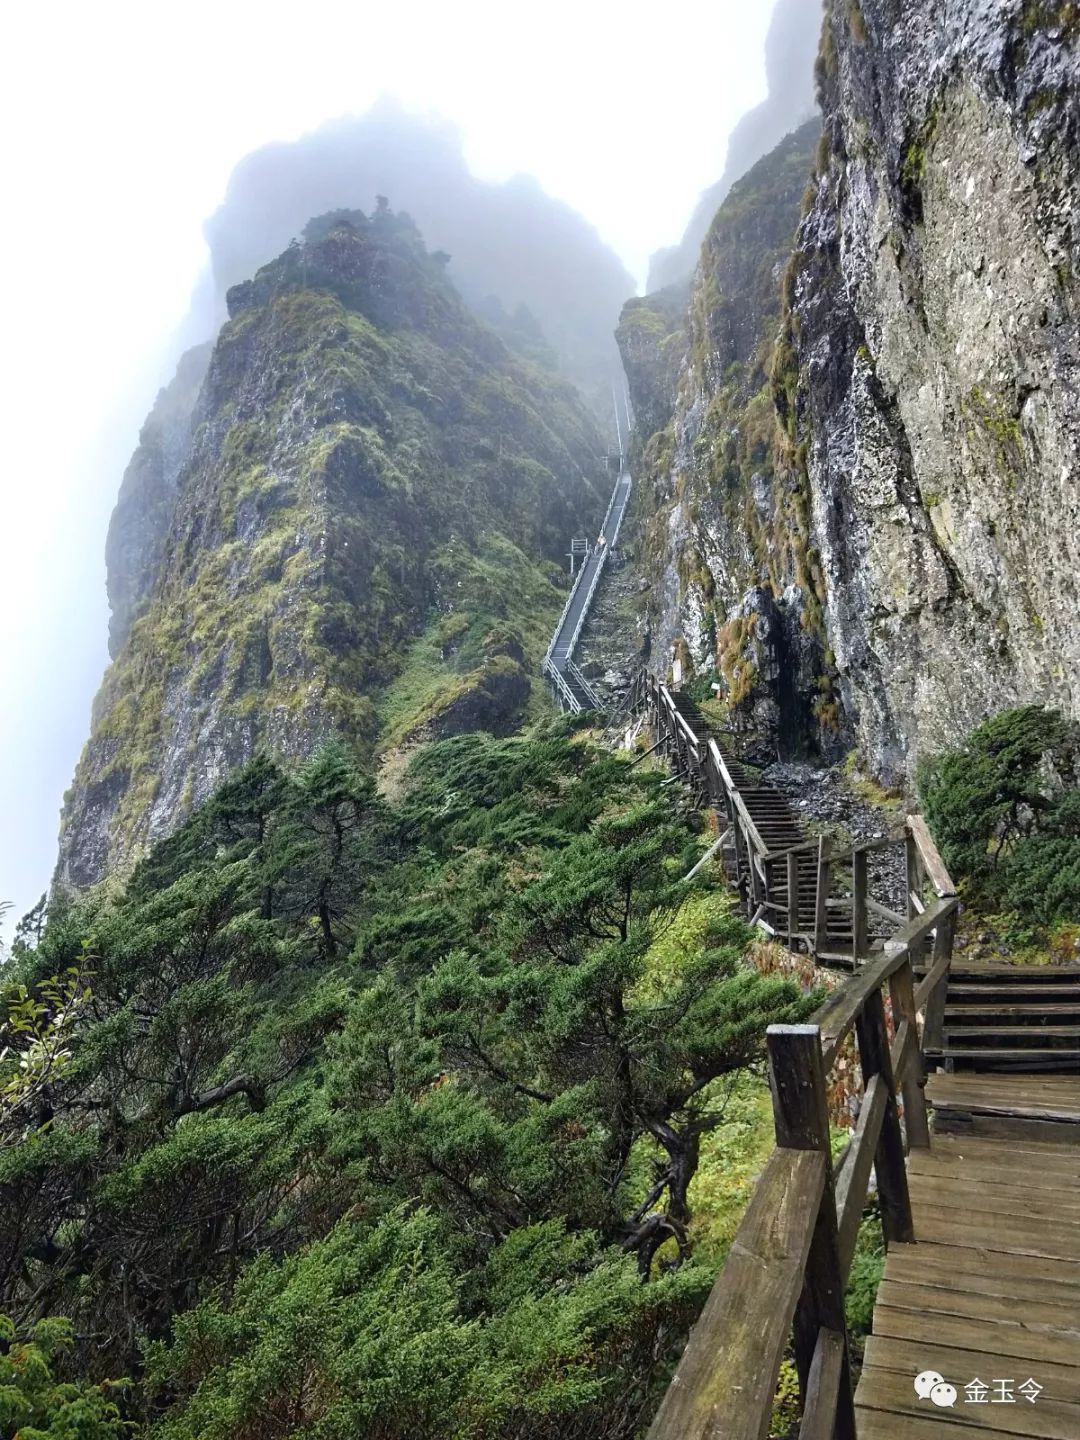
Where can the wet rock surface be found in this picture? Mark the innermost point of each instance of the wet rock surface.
(936, 306)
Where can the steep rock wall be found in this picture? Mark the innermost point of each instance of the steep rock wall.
(369, 472)
(723, 515)
(934, 319)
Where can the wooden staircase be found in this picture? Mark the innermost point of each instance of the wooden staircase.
(781, 830)
(981, 1224)
(1010, 1018)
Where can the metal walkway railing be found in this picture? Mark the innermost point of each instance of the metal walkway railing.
(571, 689)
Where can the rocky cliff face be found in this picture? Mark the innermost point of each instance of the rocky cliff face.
(790, 47)
(510, 244)
(903, 492)
(935, 300)
(735, 587)
(355, 529)
(140, 522)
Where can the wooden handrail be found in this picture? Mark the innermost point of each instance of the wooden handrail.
(725, 1384)
(932, 863)
(727, 1377)
(807, 847)
(838, 1015)
(789, 1265)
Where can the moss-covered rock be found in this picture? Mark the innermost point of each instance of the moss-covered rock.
(367, 462)
(735, 587)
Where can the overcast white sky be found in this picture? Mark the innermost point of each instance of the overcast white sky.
(120, 124)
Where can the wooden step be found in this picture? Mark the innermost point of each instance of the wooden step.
(1005, 1052)
(1061, 1013)
(1010, 993)
(971, 1034)
(1055, 974)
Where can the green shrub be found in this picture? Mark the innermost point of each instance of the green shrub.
(1005, 809)
(34, 1405)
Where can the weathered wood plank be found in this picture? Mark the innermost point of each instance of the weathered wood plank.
(896, 1217)
(982, 1259)
(821, 903)
(884, 913)
(979, 1173)
(874, 1425)
(889, 842)
(1053, 1153)
(910, 1357)
(913, 871)
(793, 897)
(883, 1393)
(903, 1049)
(936, 870)
(724, 1386)
(967, 1125)
(931, 1301)
(912, 935)
(907, 1058)
(836, 1017)
(935, 1265)
(994, 1095)
(823, 1387)
(1052, 1242)
(931, 980)
(854, 1179)
(986, 1195)
(860, 902)
(801, 1116)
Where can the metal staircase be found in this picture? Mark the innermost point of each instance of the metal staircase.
(569, 686)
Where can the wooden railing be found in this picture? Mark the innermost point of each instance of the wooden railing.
(773, 883)
(786, 1274)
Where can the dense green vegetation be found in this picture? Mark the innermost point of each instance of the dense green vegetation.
(1005, 808)
(382, 1120)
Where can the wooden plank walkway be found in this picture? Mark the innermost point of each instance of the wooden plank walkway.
(991, 1290)
(982, 1220)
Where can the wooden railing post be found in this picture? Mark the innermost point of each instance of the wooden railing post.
(793, 897)
(740, 847)
(821, 910)
(801, 1114)
(911, 873)
(873, 1038)
(934, 1019)
(860, 893)
(913, 1079)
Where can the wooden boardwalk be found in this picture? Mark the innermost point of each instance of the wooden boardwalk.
(990, 1291)
(980, 1210)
